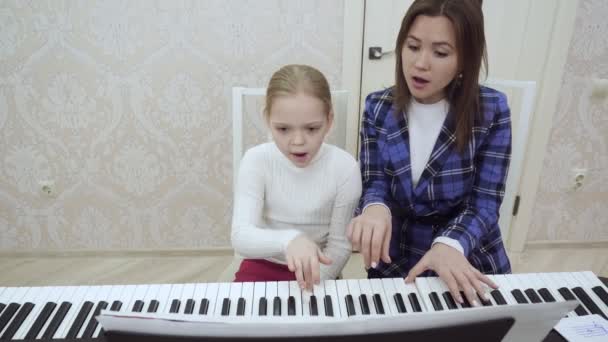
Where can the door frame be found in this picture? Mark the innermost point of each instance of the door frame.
(540, 127)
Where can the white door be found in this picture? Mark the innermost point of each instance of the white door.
(518, 35)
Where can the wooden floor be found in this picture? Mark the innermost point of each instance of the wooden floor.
(89, 270)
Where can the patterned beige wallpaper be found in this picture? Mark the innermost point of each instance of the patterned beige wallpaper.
(579, 139)
(126, 106)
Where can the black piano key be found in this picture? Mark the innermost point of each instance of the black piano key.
(204, 306)
(291, 306)
(189, 306)
(137, 306)
(174, 306)
(153, 306)
(276, 306)
(399, 302)
(587, 301)
(90, 329)
(40, 321)
(534, 298)
(465, 302)
(350, 306)
(240, 307)
(314, 310)
(116, 305)
(56, 321)
(263, 307)
(2, 306)
(519, 296)
(225, 307)
(22, 314)
(378, 304)
(599, 291)
(80, 318)
(364, 304)
(7, 314)
(449, 300)
(435, 301)
(414, 301)
(565, 292)
(329, 309)
(546, 295)
(498, 297)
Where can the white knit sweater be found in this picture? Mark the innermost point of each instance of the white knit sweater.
(275, 201)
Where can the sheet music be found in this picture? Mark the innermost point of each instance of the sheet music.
(532, 322)
(590, 328)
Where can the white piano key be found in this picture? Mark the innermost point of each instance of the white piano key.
(425, 289)
(407, 289)
(44, 293)
(554, 282)
(319, 292)
(305, 296)
(222, 293)
(235, 293)
(271, 292)
(198, 296)
(329, 288)
(115, 295)
(163, 298)
(390, 291)
(296, 293)
(187, 293)
(29, 295)
(504, 288)
(212, 295)
(247, 294)
(342, 292)
(175, 293)
(355, 292)
(99, 294)
(151, 294)
(259, 292)
(58, 297)
(283, 293)
(76, 298)
(378, 288)
(366, 289)
(585, 285)
(138, 293)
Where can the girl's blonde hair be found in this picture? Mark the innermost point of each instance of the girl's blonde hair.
(297, 78)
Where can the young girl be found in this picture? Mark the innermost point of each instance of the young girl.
(435, 151)
(296, 194)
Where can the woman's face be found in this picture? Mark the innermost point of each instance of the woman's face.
(429, 58)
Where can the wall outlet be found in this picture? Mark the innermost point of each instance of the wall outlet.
(578, 178)
(47, 188)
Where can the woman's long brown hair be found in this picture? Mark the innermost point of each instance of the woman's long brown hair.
(463, 92)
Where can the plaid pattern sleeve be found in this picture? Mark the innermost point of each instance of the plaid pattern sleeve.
(479, 217)
(373, 141)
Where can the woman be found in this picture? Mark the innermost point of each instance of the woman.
(435, 150)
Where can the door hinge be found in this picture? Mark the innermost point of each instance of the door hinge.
(516, 205)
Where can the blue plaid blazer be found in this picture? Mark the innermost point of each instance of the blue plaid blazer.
(458, 195)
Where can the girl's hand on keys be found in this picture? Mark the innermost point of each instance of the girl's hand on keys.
(303, 258)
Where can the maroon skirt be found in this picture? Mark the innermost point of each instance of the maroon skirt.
(262, 270)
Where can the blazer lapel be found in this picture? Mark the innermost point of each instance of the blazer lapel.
(441, 152)
(399, 155)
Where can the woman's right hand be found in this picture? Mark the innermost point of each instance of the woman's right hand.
(370, 234)
(303, 258)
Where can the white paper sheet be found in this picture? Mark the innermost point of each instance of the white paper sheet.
(532, 323)
(590, 328)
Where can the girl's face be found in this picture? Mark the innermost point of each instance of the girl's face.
(298, 124)
(429, 58)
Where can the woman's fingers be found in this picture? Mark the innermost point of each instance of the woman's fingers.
(307, 273)
(314, 272)
(356, 236)
(366, 236)
(465, 284)
(299, 272)
(452, 284)
(377, 240)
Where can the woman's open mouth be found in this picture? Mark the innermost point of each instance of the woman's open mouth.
(419, 82)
